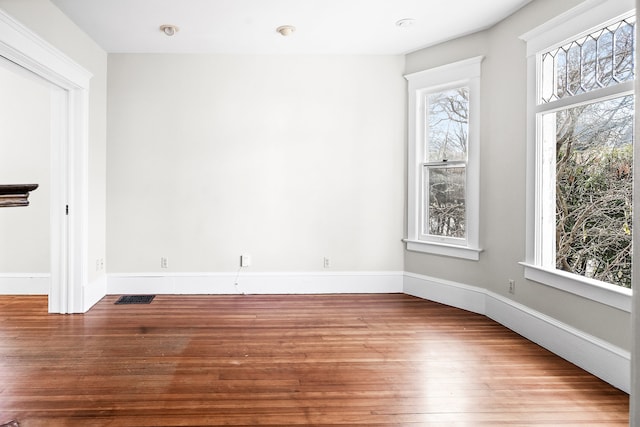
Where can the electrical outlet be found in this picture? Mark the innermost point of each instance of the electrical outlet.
(327, 262)
(245, 260)
(164, 262)
(512, 286)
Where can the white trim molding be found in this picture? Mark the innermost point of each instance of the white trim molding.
(605, 293)
(69, 163)
(443, 249)
(465, 73)
(257, 283)
(573, 22)
(602, 359)
(24, 283)
(24, 47)
(470, 298)
(634, 407)
(94, 291)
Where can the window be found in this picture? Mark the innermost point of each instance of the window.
(581, 153)
(443, 160)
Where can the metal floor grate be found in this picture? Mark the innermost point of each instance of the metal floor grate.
(135, 299)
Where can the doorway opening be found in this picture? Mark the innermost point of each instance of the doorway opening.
(68, 154)
(25, 133)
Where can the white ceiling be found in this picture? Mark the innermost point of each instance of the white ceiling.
(249, 26)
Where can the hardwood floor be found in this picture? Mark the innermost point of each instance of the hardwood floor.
(326, 360)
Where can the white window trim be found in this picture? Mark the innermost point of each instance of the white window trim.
(462, 73)
(575, 22)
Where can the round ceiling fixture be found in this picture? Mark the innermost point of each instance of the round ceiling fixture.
(286, 30)
(169, 30)
(406, 23)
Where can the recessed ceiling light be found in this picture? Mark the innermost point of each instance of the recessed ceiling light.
(406, 23)
(169, 30)
(286, 30)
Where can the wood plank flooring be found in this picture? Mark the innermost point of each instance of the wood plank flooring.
(324, 360)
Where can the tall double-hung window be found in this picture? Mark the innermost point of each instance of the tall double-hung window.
(443, 156)
(581, 106)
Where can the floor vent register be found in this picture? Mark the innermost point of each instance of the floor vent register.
(135, 299)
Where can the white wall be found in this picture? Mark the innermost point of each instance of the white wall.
(635, 309)
(502, 179)
(25, 116)
(46, 20)
(287, 158)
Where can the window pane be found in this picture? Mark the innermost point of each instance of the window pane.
(574, 68)
(604, 53)
(589, 68)
(623, 58)
(548, 81)
(600, 59)
(445, 200)
(594, 161)
(447, 125)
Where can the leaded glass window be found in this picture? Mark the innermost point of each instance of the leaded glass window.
(586, 121)
(600, 59)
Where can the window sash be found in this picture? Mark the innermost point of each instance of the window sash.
(425, 205)
(548, 182)
(545, 173)
(453, 127)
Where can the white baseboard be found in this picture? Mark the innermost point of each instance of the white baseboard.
(606, 361)
(602, 359)
(25, 284)
(257, 283)
(94, 292)
(467, 297)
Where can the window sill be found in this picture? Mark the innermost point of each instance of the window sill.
(611, 295)
(443, 249)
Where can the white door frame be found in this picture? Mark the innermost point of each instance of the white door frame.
(69, 143)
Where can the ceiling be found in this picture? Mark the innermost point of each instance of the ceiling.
(249, 26)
